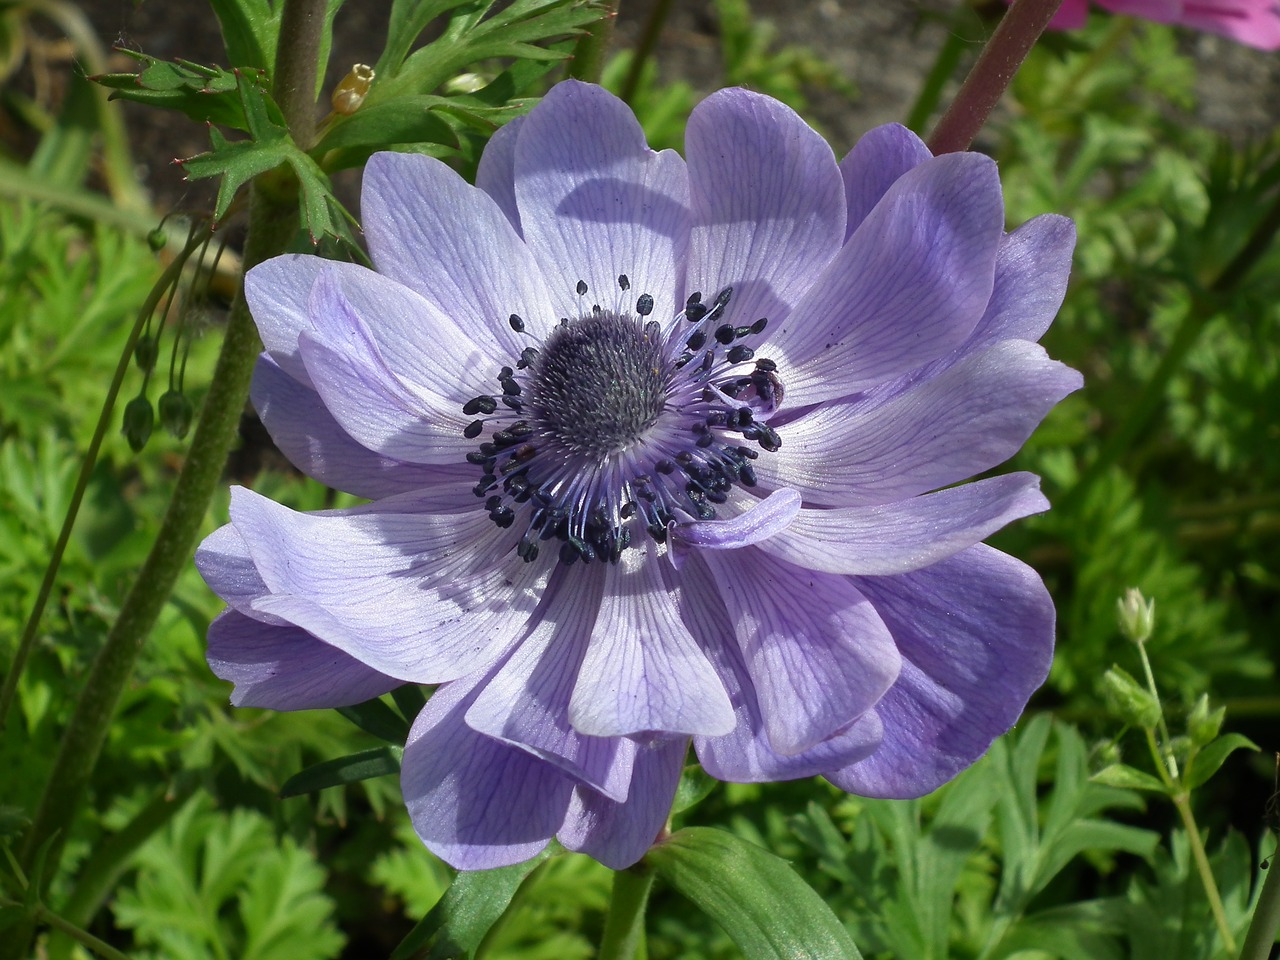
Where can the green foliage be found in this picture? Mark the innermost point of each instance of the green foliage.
(224, 885)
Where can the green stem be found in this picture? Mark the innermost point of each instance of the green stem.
(1266, 918)
(1182, 801)
(42, 914)
(1166, 740)
(167, 280)
(1008, 47)
(624, 926)
(588, 53)
(644, 49)
(944, 67)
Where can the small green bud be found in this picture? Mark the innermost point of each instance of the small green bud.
(156, 239)
(145, 352)
(1129, 700)
(1204, 723)
(176, 412)
(138, 421)
(1137, 615)
(1108, 754)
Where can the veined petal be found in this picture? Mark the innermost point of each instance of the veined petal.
(643, 671)
(768, 204)
(910, 285)
(284, 668)
(909, 534)
(595, 202)
(432, 231)
(878, 159)
(526, 703)
(976, 635)
(762, 519)
(967, 419)
(477, 803)
(618, 834)
(496, 174)
(818, 655)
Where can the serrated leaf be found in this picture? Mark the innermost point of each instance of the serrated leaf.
(1210, 759)
(759, 901)
(1127, 778)
(470, 907)
(381, 762)
(206, 94)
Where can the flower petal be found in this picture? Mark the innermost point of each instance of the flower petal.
(304, 430)
(976, 635)
(768, 204)
(969, 418)
(761, 520)
(618, 834)
(426, 597)
(879, 158)
(595, 202)
(477, 803)
(910, 285)
(449, 241)
(816, 652)
(284, 668)
(643, 671)
(1032, 270)
(496, 174)
(909, 534)
(526, 703)
(743, 755)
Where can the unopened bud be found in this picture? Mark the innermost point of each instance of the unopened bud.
(1137, 615)
(156, 239)
(1203, 723)
(353, 88)
(145, 352)
(175, 413)
(1129, 700)
(138, 421)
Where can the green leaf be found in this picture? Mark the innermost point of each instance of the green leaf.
(472, 905)
(249, 30)
(759, 901)
(1210, 759)
(1127, 778)
(380, 762)
(694, 787)
(403, 120)
(206, 94)
(375, 717)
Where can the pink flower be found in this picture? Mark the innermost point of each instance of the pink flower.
(1253, 22)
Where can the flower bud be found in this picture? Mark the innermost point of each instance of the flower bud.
(156, 239)
(138, 421)
(1129, 700)
(145, 352)
(1137, 615)
(1204, 723)
(176, 412)
(352, 89)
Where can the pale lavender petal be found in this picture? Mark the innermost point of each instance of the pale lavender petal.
(476, 802)
(450, 242)
(908, 534)
(643, 671)
(910, 285)
(618, 834)
(817, 654)
(284, 668)
(496, 174)
(969, 418)
(224, 562)
(976, 635)
(743, 755)
(596, 203)
(526, 703)
(304, 430)
(768, 204)
(871, 167)
(763, 519)
(426, 597)
(1032, 270)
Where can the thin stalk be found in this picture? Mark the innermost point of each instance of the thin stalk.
(1166, 740)
(42, 914)
(1266, 918)
(649, 38)
(1016, 34)
(944, 67)
(168, 280)
(1182, 801)
(588, 53)
(624, 926)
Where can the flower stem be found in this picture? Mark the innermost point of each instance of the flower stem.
(624, 926)
(1182, 801)
(42, 914)
(588, 53)
(644, 50)
(1266, 918)
(986, 83)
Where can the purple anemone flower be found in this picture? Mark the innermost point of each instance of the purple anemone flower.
(657, 449)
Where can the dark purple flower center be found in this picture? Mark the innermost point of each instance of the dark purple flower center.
(615, 424)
